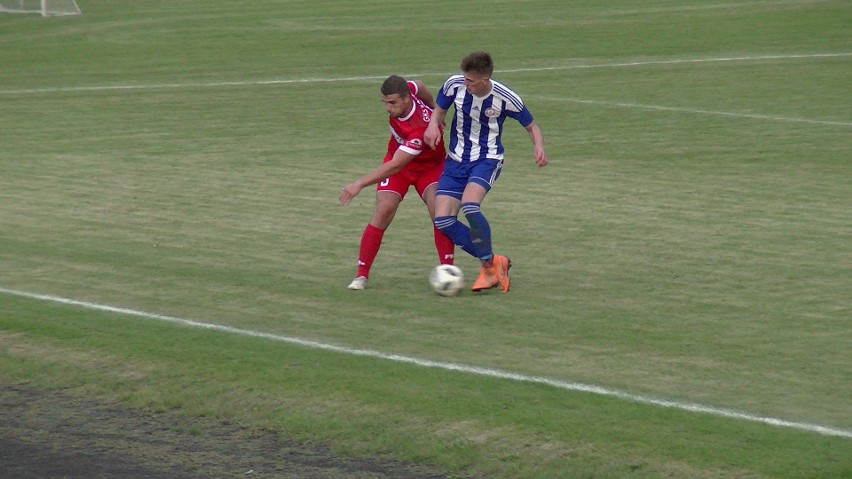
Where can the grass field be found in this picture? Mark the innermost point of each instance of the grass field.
(690, 242)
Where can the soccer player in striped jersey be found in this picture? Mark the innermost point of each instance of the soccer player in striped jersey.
(408, 162)
(475, 158)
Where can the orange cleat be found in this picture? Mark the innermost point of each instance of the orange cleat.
(496, 275)
(501, 266)
(487, 279)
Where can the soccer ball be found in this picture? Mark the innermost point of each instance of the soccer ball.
(446, 279)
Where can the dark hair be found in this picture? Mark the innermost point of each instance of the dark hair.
(479, 63)
(395, 84)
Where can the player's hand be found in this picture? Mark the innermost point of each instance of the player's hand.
(350, 191)
(540, 157)
(432, 135)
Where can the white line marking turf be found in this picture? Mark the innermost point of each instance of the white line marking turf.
(730, 114)
(166, 86)
(462, 368)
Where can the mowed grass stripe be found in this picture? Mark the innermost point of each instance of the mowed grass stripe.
(467, 369)
(162, 86)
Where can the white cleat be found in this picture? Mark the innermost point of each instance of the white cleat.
(358, 284)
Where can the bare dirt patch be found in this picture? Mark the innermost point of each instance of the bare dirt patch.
(49, 434)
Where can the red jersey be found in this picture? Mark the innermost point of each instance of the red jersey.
(407, 134)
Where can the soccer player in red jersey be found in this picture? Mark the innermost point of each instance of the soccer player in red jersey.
(408, 163)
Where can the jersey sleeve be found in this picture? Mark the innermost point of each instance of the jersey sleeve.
(524, 116)
(514, 105)
(448, 92)
(413, 145)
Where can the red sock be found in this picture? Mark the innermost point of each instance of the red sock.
(371, 241)
(444, 245)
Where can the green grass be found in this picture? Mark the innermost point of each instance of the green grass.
(690, 239)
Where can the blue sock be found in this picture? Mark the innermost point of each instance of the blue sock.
(458, 232)
(480, 230)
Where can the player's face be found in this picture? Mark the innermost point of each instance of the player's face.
(477, 84)
(396, 106)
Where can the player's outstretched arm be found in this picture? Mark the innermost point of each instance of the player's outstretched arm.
(392, 167)
(538, 144)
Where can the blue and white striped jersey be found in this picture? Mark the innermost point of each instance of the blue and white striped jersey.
(478, 122)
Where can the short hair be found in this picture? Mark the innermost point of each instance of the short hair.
(479, 63)
(395, 84)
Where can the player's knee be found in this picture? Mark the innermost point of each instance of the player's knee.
(382, 218)
(445, 223)
(470, 209)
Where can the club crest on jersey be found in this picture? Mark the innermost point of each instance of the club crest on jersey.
(416, 143)
(491, 112)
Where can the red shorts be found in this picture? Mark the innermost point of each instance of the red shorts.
(415, 174)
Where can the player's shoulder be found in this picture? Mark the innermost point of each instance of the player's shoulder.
(502, 89)
(454, 82)
(506, 93)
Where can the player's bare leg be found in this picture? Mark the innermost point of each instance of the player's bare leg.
(387, 204)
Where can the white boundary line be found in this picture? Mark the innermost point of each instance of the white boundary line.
(166, 86)
(472, 370)
(638, 106)
(685, 60)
